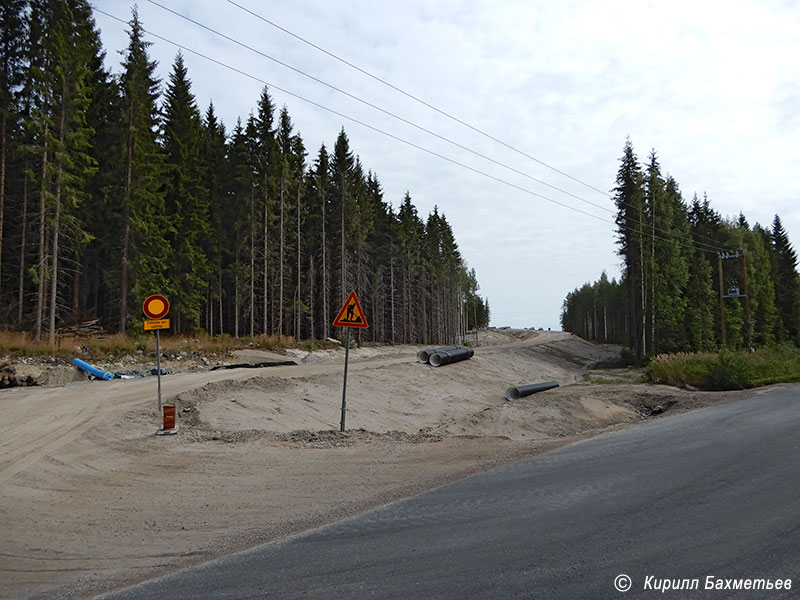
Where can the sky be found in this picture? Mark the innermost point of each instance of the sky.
(713, 87)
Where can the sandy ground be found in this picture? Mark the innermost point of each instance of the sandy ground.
(92, 500)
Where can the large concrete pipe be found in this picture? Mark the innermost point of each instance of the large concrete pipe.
(446, 357)
(520, 391)
(423, 356)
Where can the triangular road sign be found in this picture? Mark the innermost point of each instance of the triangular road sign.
(351, 314)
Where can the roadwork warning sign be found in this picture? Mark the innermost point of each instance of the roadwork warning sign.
(351, 314)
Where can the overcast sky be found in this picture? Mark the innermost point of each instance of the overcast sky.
(713, 87)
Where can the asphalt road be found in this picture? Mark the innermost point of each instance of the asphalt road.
(712, 493)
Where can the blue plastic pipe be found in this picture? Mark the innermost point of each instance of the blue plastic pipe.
(94, 371)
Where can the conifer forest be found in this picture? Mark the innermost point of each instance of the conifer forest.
(115, 185)
(691, 279)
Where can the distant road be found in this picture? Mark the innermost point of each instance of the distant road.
(714, 492)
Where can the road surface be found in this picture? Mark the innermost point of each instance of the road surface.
(713, 493)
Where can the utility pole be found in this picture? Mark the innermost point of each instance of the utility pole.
(747, 323)
(734, 293)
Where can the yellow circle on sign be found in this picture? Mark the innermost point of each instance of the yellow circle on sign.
(155, 305)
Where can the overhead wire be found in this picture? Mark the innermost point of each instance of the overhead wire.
(378, 108)
(181, 46)
(415, 98)
(441, 112)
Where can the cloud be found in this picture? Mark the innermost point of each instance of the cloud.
(712, 86)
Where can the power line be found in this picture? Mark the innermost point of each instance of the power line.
(378, 108)
(419, 100)
(713, 249)
(389, 113)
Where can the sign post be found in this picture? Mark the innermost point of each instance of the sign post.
(155, 308)
(344, 384)
(350, 315)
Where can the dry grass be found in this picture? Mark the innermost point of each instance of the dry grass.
(16, 343)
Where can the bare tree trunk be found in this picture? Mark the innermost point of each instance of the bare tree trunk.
(407, 325)
(76, 286)
(644, 297)
(2, 194)
(267, 325)
(343, 257)
(297, 303)
(51, 338)
(653, 281)
(23, 248)
(281, 258)
(126, 229)
(252, 261)
(391, 292)
(210, 311)
(236, 296)
(40, 284)
(312, 274)
(326, 332)
(221, 321)
(57, 220)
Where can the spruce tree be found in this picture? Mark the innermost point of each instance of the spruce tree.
(342, 164)
(215, 173)
(630, 201)
(12, 36)
(763, 310)
(70, 44)
(186, 198)
(145, 253)
(673, 249)
(787, 282)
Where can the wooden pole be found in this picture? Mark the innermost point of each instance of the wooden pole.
(747, 332)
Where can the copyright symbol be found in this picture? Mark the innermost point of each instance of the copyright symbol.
(622, 583)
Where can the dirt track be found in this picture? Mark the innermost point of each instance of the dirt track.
(91, 499)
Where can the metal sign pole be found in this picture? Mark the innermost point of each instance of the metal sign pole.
(344, 387)
(158, 366)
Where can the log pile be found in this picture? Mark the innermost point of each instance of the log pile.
(86, 328)
(9, 379)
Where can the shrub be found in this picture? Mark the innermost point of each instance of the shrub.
(728, 370)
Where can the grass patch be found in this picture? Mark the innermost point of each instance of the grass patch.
(614, 376)
(727, 370)
(117, 345)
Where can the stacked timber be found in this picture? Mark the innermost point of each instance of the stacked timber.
(86, 328)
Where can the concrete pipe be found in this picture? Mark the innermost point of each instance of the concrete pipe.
(423, 356)
(520, 391)
(446, 357)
